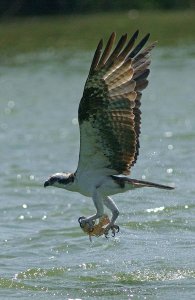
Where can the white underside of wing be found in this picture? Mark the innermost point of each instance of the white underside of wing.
(91, 158)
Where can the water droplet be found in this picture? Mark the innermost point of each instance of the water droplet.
(21, 217)
(170, 147)
(15, 276)
(51, 257)
(186, 206)
(143, 177)
(32, 177)
(44, 218)
(84, 266)
(156, 209)
(168, 134)
(24, 206)
(153, 153)
(170, 171)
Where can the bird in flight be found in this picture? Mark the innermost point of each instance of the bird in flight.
(109, 119)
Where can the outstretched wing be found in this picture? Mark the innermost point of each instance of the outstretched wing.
(109, 111)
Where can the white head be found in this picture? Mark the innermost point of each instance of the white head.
(61, 180)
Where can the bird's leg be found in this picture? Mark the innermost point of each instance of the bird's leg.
(109, 203)
(98, 202)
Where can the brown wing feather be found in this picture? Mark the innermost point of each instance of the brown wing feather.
(107, 50)
(96, 56)
(109, 111)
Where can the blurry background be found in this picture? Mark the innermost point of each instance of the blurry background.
(46, 49)
(42, 24)
(59, 7)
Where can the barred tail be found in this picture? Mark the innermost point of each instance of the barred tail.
(140, 183)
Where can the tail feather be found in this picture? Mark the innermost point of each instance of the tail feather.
(142, 183)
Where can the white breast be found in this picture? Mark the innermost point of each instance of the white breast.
(87, 181)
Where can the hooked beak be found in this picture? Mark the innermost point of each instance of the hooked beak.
(46, 183)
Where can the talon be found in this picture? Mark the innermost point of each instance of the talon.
(80, 221)
(117, 228)
(83, 222)
(114, 228)
(113, 233)
(106, 235)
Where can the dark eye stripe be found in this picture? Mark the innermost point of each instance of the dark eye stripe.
(52, 180)
(66, 180)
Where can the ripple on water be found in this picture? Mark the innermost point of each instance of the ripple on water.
(106, 284)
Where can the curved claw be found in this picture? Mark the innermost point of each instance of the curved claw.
(114, 228)
(80, 221)
(83, 222)
(117, 228)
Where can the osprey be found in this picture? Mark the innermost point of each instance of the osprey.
(109, 118)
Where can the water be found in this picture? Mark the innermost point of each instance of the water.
(44, 254)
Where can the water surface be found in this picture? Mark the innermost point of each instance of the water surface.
(44, 254)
